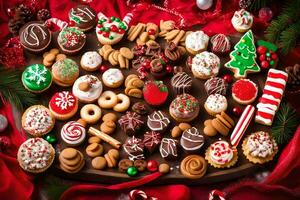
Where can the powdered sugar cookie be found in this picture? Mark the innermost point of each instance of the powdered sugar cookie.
(196, 42)
(215, 104)
(113, 78)
(90, 61)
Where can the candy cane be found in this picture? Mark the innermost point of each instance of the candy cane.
(127, 19)
(100, 16)
(59, 23)
(216, 193)
(140, 194)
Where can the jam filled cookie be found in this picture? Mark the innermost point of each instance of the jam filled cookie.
(90, 61)
(87, 88)
(71, 40)
(113, 78)
(37, 120)
(36, 155)
(36, 78)
(65, 72)
(196, 42)
(35, 36)
(155, 93)
(215, 104)
(242, 20)
(184, 108)
(73, 133)
(63, 105)
(83, 16)
(244, 91)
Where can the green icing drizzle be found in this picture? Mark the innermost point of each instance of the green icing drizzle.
(36, 77)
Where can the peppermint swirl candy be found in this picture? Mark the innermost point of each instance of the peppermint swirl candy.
(221, 152)
(73, 133)
(193, 166)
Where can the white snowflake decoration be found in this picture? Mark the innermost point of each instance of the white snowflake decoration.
(64, 100)
(36, 74)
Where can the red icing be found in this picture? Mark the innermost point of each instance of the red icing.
(274, 84)
(268, 101)
(155, 93)
(276, 95)
(63, 102)
(264, 115)
(277, 75)
(244, 90)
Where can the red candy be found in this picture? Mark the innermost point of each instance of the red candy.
(114, 28)
(71, 23)
(169, 69)
(146, 64)
(103, 68)
(228, 78)
(151, 32)
(121, 31)
(262, 57)
(265, 64)
(237, 111)
(106, 34)
(152, 166)
(262, 50)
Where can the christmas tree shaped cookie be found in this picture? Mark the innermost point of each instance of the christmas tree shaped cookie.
(243, 57)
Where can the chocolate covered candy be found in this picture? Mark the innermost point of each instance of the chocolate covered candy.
(169, 149)
(134, 148)
(191, 140)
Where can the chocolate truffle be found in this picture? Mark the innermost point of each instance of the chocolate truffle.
(134, 148)
(140, 108)
(158, 121)
(216, 85)
(151, 140)
(83, 16)
(181, 83)
(168, 148)
(184, 108)
(35, 36)
(71, 40)
(191, 140)
(131, 122)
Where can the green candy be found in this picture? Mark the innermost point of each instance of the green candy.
(111, 37)
(268, 54)
(102, 29)
(36, 78)
(272, 62)
(132, 171)
(100, 21)
(50, 138)
(117, 19)
(112, 18)
(106, 29)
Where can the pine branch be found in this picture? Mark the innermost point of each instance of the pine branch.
(258, 4)
(288, 38)
(276, 27)
(12, 90)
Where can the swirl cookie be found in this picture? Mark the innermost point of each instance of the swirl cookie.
(73, 133)
(35, 155)
(83, 16)
(90, 61)
(193, 167)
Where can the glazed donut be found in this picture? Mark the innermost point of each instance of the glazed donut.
(108, 99)
(90, 113)
(123, 103)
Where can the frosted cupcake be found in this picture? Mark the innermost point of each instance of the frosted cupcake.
(196, 42)
(242, 21)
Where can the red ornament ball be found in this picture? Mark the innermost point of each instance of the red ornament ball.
(228, 78)
(265, 64)
(262, 50)
(146, 64)
(265, 14)
(151, 31)
(11, 12)
(152, 166)
(71, 23)
(169, 69)
(237, 111)
(103, 68)
(274, 56)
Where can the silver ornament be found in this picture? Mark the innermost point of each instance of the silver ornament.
(204, 4)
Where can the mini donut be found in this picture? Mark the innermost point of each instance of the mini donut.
(108, 99)
(90, 113)
(123, 103)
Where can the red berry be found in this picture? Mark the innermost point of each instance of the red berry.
(228, 78)
(106, 34)
(237, 111)
(114, 28)
(169, 69)
(71, 23)
(151, 31)
(262, 57)
(146, 64)
(264, 64)
(103, 68)
(152, 166)
(262, 50)
(274, 56)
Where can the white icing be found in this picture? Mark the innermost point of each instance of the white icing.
(276, 71)
(65, 100)
(171, 147)
(216, 103)
(197, 40)
(273, 89)
(115, 35)
(260, 144)
(73, 133)
(206, 63)
(93, 93)
(277, 80)
(112, 76)
(91, 60)
(242, 19)
(197, 138)
(30, 33)
(220, 152)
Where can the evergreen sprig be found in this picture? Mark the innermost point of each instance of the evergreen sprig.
(284, 124)
(258, 4)
(12, 90)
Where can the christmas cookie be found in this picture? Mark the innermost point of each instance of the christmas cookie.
(123, 103)
(216, 85)
(158, 68)
(243, 57)
(63, 105)
(140, 108)
(205, 65)
(158, 121)
(94, 150)
(260, 147)
(134, 148)
(71, 40)
(73, 133)
(196, 42)
(221, 155)
(193, 167)
(37, 120)
(169, 149)
(191, 140)
(244, 91)
(174, 52)
(267, 54)
(181, 83)
(71, 160)
(87, 88)
(155, 93)
(113, 78)
(108, 99)
(151, 140)
(184, 108)
(90, 113)
(35, 36)
(215, 104)
(83, 16)
(36, 78)
(91, 61)
(110, 30)
(65, 72)
(242, 20)
(35, 155)
(131, 122)
(220, 44)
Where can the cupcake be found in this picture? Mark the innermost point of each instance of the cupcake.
(184, 108)
(215, 104)
(259, 147)
(196, 42)
(221, 155)
(83, 16)
(71, 40)
(242, 21)
(65, 72)
(205, 65)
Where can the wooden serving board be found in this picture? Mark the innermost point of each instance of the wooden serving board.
(213, 175)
